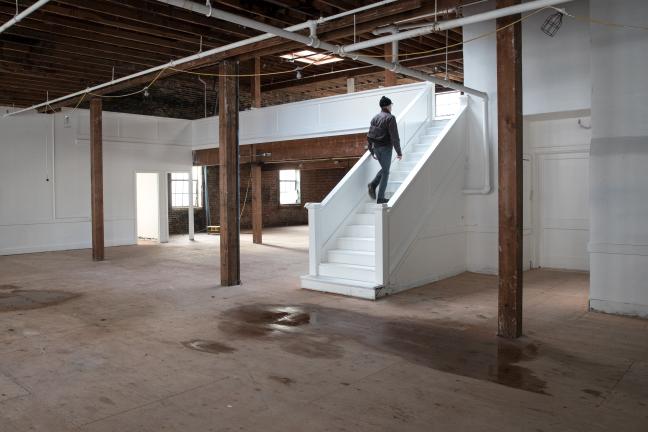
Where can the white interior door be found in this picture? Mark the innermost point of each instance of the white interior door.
(563, 210)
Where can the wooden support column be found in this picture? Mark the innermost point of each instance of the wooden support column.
(96, 180)
(390, 77)
(257, 204)
(509, 106)
(228, 94)
(255, 82)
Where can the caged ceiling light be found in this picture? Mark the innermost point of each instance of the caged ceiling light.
(552, 24)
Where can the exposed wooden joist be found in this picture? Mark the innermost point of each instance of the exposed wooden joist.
(509, 106)
(255, 82)
(228, 93)
(96, 179)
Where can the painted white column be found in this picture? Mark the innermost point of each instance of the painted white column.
(164, 207)
(313, 238)
(191, 205)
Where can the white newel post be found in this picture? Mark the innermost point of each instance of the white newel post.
(432, 104)
(313, 238)
(382, 245)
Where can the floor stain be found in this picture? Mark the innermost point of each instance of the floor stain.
(14, 298)
(253, 321)
(447, 346)
(208, 346)
(106, 400)
(594, 393)
(283, 380)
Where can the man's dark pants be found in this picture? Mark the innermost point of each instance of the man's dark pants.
(384, 156)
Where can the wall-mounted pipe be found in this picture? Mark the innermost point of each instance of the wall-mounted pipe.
(191, 58)
(23, 14)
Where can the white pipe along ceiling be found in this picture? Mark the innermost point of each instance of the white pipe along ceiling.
(191, 58)
(454, 23)
(395, 67)
(316, 43)
(23, 14)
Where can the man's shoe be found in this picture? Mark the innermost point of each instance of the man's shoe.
(382, 201)
(372, 191)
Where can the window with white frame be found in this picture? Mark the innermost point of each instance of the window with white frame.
(289, 188)
(447, 104)
(180, 188)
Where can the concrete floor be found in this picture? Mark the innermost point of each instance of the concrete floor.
(149, 341)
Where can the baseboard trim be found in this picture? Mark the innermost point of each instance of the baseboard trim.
(619, 308)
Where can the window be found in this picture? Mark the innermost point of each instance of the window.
(447, 104)
(289, 190)
(180, 188)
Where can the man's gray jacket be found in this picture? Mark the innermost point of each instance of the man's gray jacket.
(383, 131)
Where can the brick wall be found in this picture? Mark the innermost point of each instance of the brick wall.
(179, 220)
(315, 185)
(179, 216)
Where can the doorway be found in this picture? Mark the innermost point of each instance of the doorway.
(148, 207)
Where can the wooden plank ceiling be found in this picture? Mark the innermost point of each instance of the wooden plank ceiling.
(69, 45)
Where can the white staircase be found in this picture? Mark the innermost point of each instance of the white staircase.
(349, 267)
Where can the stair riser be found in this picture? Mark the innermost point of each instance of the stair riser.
(359, 231)
(331, 270)
(356, 244)
(364, 219)
(347, 258)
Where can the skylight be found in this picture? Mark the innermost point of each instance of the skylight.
(311, 57)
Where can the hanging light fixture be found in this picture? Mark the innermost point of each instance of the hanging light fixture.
(552, 24)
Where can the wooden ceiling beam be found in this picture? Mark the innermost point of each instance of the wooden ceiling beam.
(88, 32)
(162, 25)
(433, 60)
(87, 47)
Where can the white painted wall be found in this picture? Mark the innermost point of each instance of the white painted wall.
(556, 70)
(40, 215)
(558, 149)
(619, 157)
(148, 207)
(334, 115)
(556, 81)
(426, 235)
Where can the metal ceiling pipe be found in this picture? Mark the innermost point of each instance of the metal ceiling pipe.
(335, 49)
(450, 24)
(184, 60)
(23, 14)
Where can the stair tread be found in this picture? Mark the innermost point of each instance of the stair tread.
(353, 266)
(352, 251)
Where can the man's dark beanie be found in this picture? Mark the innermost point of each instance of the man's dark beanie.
(385, 101)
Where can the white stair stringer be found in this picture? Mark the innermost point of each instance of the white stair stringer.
(353, 258)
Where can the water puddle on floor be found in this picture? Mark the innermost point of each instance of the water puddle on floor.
(211, 347)
(448, 346)
(13, 298)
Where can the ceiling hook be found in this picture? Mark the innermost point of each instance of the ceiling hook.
(208, 4)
